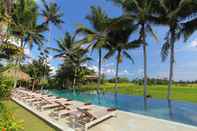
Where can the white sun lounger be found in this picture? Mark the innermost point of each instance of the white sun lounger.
(65, 112)
(58, 103)
(98, 117)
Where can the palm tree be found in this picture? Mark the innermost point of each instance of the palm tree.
(180, 16)
(71, 53)
(52, 15)
(95, 37)
(119, 44)
(23, 25)
(141, 11)
(65, 46)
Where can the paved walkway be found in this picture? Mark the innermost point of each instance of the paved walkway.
(123, 122)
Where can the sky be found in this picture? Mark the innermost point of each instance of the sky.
(74, 13)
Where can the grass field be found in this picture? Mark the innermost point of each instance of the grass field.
(31, 122)
(186, 92)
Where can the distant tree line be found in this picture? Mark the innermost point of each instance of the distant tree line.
(151, 81)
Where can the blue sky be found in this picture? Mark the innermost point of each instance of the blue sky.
(186, 52)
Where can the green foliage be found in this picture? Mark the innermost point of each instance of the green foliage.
(120, 80)
(8, 121)
(6, 86)
(8, 51)
(37, 69)
(51, 13)
(30, 121)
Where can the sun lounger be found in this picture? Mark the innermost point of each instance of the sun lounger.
(68, 111)
(44, 100)
(58, 103)
(88, 120)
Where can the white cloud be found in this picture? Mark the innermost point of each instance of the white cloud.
(50, 58)
(27, 52)
(194, 43)
(54, 69)
(189, 47)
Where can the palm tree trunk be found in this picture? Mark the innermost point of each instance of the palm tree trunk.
(171, 66)
(33, 85)
(117, 69)
(145, 72)
(8, 5)
(143, 38)
(99, 71)
(17, 64)
(74, 79)
(45, 61)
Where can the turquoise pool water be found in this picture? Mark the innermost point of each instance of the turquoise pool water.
(175, 111)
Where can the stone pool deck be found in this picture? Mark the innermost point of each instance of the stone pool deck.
(125, 121)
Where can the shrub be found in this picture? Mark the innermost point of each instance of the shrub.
(6, 86)
(7, 120)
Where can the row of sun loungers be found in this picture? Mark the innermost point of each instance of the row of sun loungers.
(85, 115)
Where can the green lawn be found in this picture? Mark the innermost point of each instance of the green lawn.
(31, 122)
(187, 92)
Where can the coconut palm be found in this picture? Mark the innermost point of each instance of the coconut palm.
(23, 27)
(52, 15)
(141, 11)
(95, 37)
(180, 16)
(65, 46)
(119, 44)
(72, 54)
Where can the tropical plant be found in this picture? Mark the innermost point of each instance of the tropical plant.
(180, 16)
(52, 16)
(143, 13)
(8, 51)
(37, 70)
(8, 121)
(95, 37)
(119, 44)
(6, 85)
(71, 54)
(22, 27)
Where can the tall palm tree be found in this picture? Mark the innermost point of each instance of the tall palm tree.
(141, 11)
(71, 53)
(180, 16)
(119, 44)
(65, 46)
(52, 15)
(95, 37)
(23, 25)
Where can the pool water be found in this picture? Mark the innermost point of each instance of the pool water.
(182, 112)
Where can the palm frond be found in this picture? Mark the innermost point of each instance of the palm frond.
(165, 50)
(189, 28)
(128, 56)
(109, 54)
(150, 30)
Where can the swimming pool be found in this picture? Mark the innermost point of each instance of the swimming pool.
(175, 111)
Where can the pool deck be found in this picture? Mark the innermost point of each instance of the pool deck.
(124, 121)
